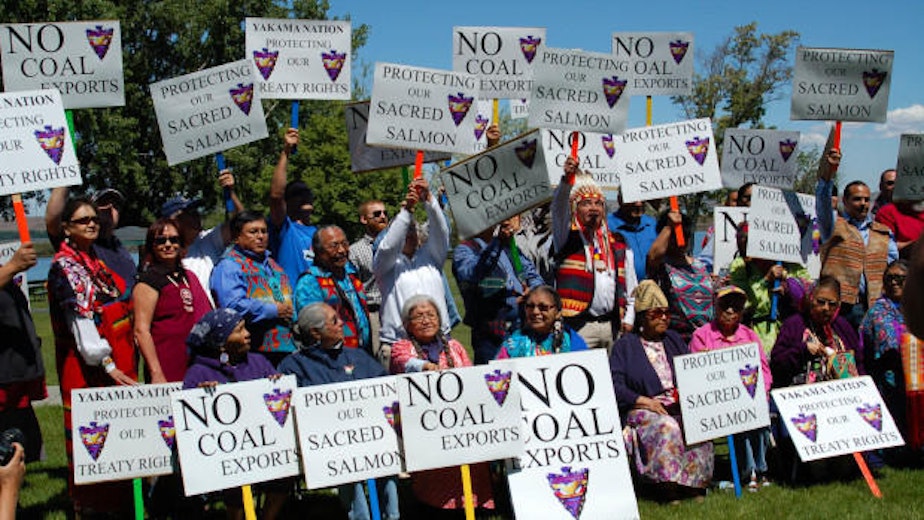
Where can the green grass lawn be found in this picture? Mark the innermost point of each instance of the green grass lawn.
(44, 493)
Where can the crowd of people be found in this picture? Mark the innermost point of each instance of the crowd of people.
(264, 295)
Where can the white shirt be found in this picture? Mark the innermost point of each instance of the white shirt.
(203, 254)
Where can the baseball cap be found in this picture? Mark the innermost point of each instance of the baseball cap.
(178, 204)
(108, 196)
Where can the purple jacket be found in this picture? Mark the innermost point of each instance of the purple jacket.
(790, 356)
(633, 374)
(205, 369)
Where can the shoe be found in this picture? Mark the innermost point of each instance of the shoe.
(753, 486)
(764, 481)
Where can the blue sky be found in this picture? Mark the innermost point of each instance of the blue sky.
(419, 32)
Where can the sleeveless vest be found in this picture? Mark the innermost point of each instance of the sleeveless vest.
(845, 257)
(575, 284)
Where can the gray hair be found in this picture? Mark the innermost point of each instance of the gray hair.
(415, 301)
(316, 238)
(311, 317)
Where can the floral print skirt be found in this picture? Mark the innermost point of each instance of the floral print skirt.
(658, 453)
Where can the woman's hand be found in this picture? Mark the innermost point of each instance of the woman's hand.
(121, 379)
(815, 347)
(652, 405)
(430, 367)
(158, 378)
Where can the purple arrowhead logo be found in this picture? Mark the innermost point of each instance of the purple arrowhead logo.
(613, 89)
(872, 414)
(873, 80)
(807, 425)
(243, 97)
(498, 384)
(93, 438)
(526, 153)
(167, 431)
(278, 404)
(333, 63)
(679, 50)
(570, 488)
(393, 416)
(100, 39)
(698, 148)
(529, 46)
(608, 146)
(459, 107)
(748, 376)
(265, 61)
(52, 141)
(787, 147)
(481, 124)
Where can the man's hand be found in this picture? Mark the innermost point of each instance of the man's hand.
(24, 257)
(290, 140)
(284, 310)
(226, 179)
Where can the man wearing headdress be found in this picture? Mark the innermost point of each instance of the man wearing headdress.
(594, 270)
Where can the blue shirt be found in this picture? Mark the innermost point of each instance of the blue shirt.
(291, 246)
(308, 290)
(639, 238)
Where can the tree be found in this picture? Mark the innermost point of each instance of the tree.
(121, 147)
(739, 78)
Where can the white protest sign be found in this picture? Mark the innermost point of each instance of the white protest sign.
(596, 152)
(122, 432)
(208, 111)
(7, 250)
(36, 151)
(235, 434)
(300, 59)
(459, 416)
(662, 61)
(909, 179)
(490, 187)
(666, 160)
(765, 157)
(577, 90)
(422, 109)
(82, 60)
(841, 84)
(501, 58)
(364, 158)
(721, 392)
(574, 463)
(519, 108)
(483, 115)
(837, 417)
(725, 235)
(780, 225)
(349, 432)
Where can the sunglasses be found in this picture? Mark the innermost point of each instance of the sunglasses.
(161, 240)
(655, 314)
(821, 302)
(735, 306)
(84, 221)
(889, 183)
(895, 278)
(379, 213)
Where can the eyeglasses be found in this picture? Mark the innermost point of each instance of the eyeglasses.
(379, 213)
(333, 246)
(85, 221)
(895, 278)
(821, 302)
(424, 317)
(167, 239)
(542, 307)
(656, 314)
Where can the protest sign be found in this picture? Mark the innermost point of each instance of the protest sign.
(501, 58)
(82, 60)
(483, 115)
(459, 416)
(519, 108)
(576, 90)
(836, 417)
(909, 179)
(208, 111)
(725, 238)
(841, 84)
(349, 432)
(422, 109)
(235, 434)
(721, 392)
(122, 432)
(490, 187)
(300, 59)
(781, 225)
(364, 158)
(7, 250)
(765, 157)
(666, 160)
(36, 151)
(595, 151)
(662, 62)
(573, 463)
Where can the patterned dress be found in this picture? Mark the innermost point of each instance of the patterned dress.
(689, 295)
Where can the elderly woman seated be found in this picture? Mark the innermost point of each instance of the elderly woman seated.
(426, 348)
(543, 331)
(643, 379)
(321, 359)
